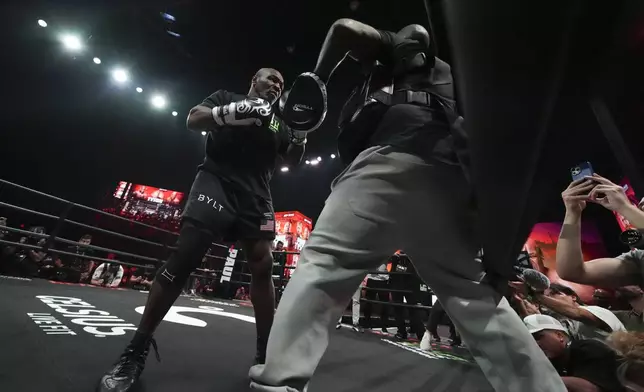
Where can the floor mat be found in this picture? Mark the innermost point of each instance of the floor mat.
(59, 337)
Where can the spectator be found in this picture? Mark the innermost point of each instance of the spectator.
(436, 316)
(583, 322)
(241, 294)
(405, 286)
(630, 346)
(624, 270)
(378, 282)
(585, 365)
(30, 260)
(632, 319)
(108, 275)
(3, 223)
(142, 278)
(6, 251)
(355, 312)
(79, 268)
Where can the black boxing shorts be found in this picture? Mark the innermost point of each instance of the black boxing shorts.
(231, 213)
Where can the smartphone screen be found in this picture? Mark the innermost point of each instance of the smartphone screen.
(584, 169)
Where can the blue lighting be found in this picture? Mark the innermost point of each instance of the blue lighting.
(168, 17)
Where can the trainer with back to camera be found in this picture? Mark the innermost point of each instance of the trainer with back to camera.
(230, 200)
(406, 187)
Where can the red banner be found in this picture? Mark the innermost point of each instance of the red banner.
(293, 229)
(157, 195)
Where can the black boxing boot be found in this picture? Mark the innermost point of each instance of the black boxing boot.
(127, 370)
(260, 353)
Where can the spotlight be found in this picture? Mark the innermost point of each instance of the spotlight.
(332, 156)
(168, 17)
(204, 133)
(319, 159)
(313, 163)
(71, 42)
(158, 101)
(284, 169)
(42, 23)
(308, 162)
(174, 113)
(120, 75)
(97, 60)
(139, 90)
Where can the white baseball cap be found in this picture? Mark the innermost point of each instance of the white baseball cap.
(540, 322)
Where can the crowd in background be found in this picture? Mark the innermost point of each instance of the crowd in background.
(168, 222)
(74, 264)
(597, 346)
(82, 264)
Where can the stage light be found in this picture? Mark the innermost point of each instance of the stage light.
(172, 33)
(158, 101)
(71, 42)
(332, 156)
(313, 163)
(42, 23)
(168, 17)
(97, 60)
(139, 90)
(120, 75)
(284, 169)
(319, 159)
(308, 162)
(204, 133)
(174, 113)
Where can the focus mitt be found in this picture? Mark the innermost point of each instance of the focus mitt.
(304, 106)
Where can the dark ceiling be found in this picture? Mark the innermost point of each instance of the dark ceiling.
(68, 130)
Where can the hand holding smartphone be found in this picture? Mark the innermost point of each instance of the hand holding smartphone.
(584, 169)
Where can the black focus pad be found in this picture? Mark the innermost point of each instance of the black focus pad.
(304, 106)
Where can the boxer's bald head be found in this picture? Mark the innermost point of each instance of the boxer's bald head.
(268, 83)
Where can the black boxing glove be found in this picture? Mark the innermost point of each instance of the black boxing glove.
(250, 111)
(304, 106)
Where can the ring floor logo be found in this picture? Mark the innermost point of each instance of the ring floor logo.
(175, 316)
(14, 278)
(100, 323)
(95, 322)
(434, 354)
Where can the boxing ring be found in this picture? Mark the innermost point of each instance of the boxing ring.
(205, 344)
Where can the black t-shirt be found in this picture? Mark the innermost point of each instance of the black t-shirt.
(420, 130)
(593, 361)
(245, 156)
(81, 264)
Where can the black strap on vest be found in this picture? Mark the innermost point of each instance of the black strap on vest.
(422, 98)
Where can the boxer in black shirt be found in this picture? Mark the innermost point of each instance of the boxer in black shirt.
(230, 200)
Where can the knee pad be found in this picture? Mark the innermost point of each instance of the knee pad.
(193, 243)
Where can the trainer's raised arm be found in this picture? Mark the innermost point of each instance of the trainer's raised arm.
(347, 35)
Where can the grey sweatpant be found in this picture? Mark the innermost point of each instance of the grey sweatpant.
(384, 201)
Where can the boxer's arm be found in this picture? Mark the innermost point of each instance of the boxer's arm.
(200, 117)
(348, 35)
